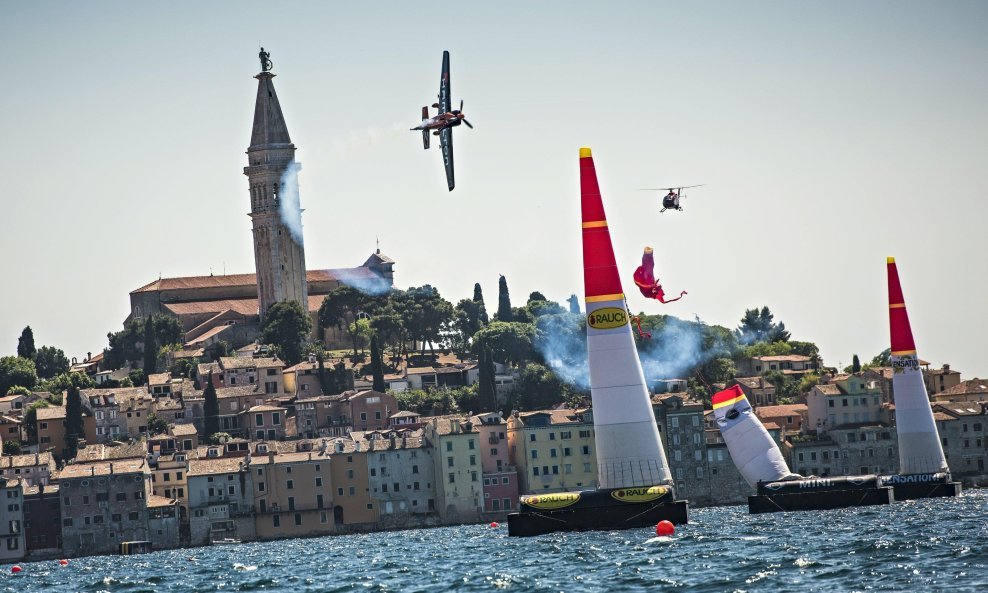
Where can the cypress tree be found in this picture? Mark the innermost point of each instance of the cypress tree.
(25, 344)
(210, 409)
(478, 297)
(503, 301)
(486, 390)
(574, 304)
(377, 366)
(150, 347)
(74, 429)
(855, 364)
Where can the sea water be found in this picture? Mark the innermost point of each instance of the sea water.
(927, 546)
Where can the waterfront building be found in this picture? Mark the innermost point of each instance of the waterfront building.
(354, 509)
(14, 546)
(553, 450)
(103, 503)
(164, 524)
(850, 449)
(499, 474)
(401, 475)
(169, 478)
(42, 521)
(456, 457)
(221, 499)
(973, 390)
(681, 426)
(963, 428)
(293, 494)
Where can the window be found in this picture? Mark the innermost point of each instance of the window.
(373, 471)
(452, 478)
(586, 467)
(586, 449)
(535, 454)
(352, 491)
(260, 486)
(318, 482)
(565, 435)
(290, 485)
(674, 421)
(584, 434)
(449, 445)
(552, 436)
(566, 452)
(291, 503)
(115, 517)
(363, 416)
(415, 469)
(473, 476)
(507, 504)
(531, 437)
(473, 459)
(67, 522)
(552, 452)
(276, 520)
(504, 480)
(339, 491)
(471, 444)
(133, 516)
(535, 470)
(449, 462)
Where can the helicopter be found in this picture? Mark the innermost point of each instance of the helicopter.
(670, 201)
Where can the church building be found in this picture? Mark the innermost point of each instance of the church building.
(232, 307)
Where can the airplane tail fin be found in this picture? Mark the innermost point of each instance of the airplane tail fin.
(425, 139)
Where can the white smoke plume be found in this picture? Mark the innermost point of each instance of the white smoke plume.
(289, 206)
(365, 282)
(674, 352)
(355, 140)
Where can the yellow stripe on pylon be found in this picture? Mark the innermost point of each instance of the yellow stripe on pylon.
(605, 297)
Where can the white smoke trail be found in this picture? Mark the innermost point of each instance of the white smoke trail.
(356, 140)
(367, 283)
(289, 205)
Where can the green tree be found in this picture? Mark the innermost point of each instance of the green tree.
(124, 349)
(25, 344)
(882, 359)
(435, 402)
(341, 308)
(487, 389)
(855, 364)
(364, 332)
(156, 425)
(65, 381)
(30, 421)
(377, 366)
(467, 321)
(539, 388)
(759, 326)
(509, 342)
(427, 316)
(719, 370)
(503, 301)
(287, 326)
(50, 361)
(478, 297)
(210, 408)
(18, 390)
(137, 377)
(74, 428)
(217, 350)
(184, 367)
(11, 447)
(15, 370)
(218, 438)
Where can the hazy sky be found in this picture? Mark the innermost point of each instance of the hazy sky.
(830, 135)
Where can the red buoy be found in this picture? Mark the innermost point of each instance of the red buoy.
(15, 569)
(63, 562)
(494, 525)
(664, 528)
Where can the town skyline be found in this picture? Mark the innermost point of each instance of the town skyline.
(872, 116)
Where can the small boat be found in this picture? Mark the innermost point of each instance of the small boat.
(136, 547)
(224, 541)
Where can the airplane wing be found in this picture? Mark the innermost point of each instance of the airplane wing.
(445, 105)
(446, 141)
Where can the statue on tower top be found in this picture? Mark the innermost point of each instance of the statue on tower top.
(266, 64)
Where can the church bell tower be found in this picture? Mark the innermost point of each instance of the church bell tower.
(279, 256)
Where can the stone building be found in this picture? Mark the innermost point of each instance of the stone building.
(13, 546)
(221, 499)
(681, 425)
(33, 468)
(401, 476)
(42, 521)
(758, 391)
(456, 449)
(845, 399)
(500, 475)
(103, 503)
(354, 510)
(940, 380)
(293, 494)
(963, 428)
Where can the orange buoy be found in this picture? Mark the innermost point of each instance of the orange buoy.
(494, 524)
(664, 528)
(15, 569)
(63, 562)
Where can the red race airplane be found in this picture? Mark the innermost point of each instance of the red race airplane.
(444, 121)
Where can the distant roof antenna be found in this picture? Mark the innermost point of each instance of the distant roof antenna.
(378, 241)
